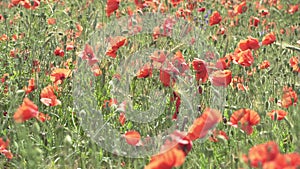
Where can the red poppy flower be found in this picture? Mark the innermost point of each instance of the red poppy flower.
(173, 153)
(175, 2)
(202, 9)
(254, 21)
(51, 21)
(267, 155)
(4, 77)
(274, 164)
(200, 69)
(269, 39)
(14, 37)
(204, 124)
(244, 58)
(265, 64)
(293, 9)
(172, 158)
(15, 2)
(218, 134)
(122, 118)
(184, 13)
(264, 12)
(4, 37)
(36, 66)
(221, 78)
(58, 75)
(140, 3)
(241, 8)
(176, 98)
(289, 97)
(247, 118)
(221, 31)
(179, 62)
(43, 117)
(3, 148)
(250, 43)
(177, 105)
(262, 153)
(145, 71)
(2, 18)
(291, 160)
(13, 53)
(79, 28)
(5, 113)
(280, 114)
(224, 62)
(88, 54)
(115, 44)
(109, 103)
(132, 137)
(26, 111)
(294, 63)
(48, 97)
(59, 52)
(156, 33)
(96, 70)
(286, 161)
(182, 142)
(26, 4)
(111, 6)
(31, 86)
(165, 29)
(159, 56)
(215, 18)
(36, 3)
(165, 77)
(70, 46)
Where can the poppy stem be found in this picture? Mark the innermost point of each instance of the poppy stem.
(288, 122)
(231, 107)
(185, 120)
(176, 48)
(286, 46)
(226, 47)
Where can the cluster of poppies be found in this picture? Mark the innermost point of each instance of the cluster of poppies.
(28, 109)
(25, 3)
(268, 155)
(243, 118)
(218, 73)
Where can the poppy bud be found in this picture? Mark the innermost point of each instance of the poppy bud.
(224, 120)
(200, 90)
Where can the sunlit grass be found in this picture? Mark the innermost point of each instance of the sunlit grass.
(62, 142)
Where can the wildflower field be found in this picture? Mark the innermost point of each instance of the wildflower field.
(152, 84)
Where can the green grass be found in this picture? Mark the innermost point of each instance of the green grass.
(62, 142)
